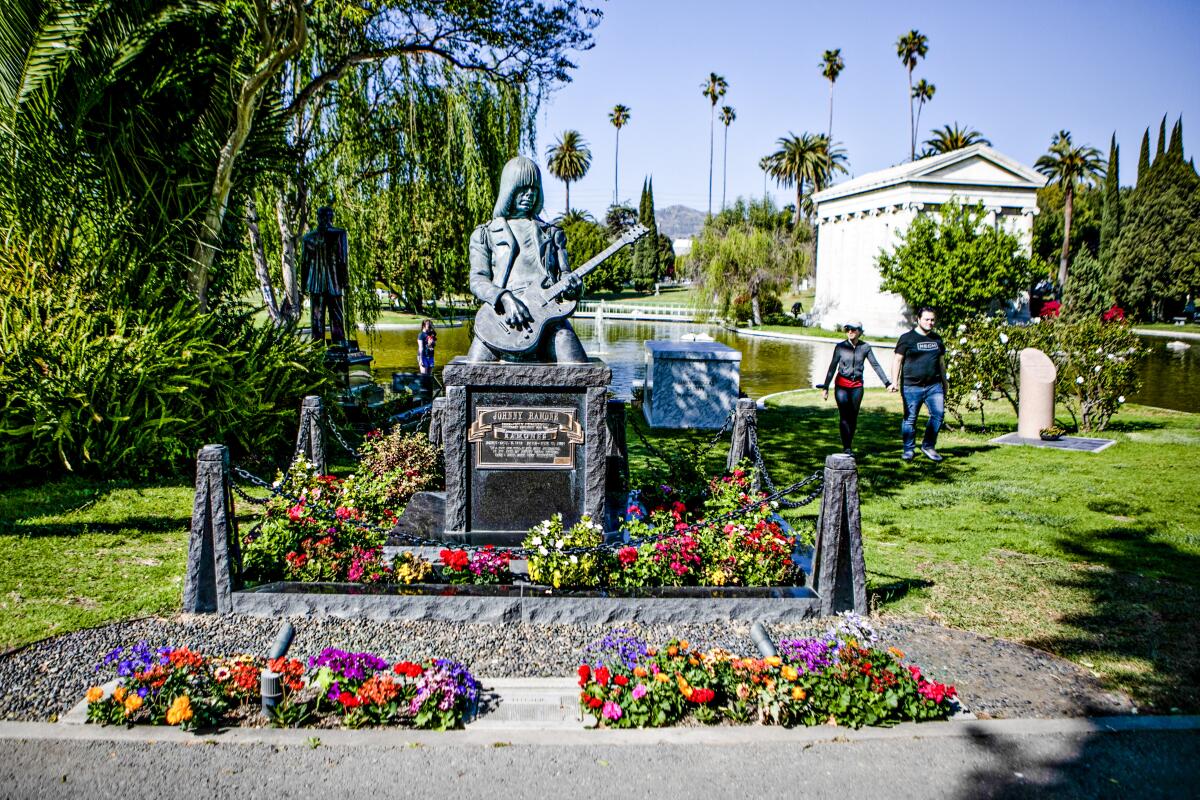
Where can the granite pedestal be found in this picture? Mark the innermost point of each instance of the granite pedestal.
(522, 442)
(690, 384)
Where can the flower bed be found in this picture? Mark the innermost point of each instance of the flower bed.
(841, 677)
(177, 686)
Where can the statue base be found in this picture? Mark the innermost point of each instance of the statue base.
(522, 442)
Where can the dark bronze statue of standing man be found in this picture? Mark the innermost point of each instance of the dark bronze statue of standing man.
(324, 275)
(510, 255)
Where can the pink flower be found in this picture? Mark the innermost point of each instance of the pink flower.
(611, 711)
(627, 555)
(296, 512)
(634, 511)
(342, 512)
(639, 691)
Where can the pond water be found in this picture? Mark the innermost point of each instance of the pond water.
(1170, 378)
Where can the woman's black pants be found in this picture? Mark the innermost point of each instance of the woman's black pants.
(848, 401)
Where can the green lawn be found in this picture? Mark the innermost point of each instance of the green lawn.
(796, 330)
(1095, 557)
(1168, 326)
(681, 296)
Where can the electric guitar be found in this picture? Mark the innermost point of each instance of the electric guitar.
(545, 303)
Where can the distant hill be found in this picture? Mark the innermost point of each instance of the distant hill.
(679, 222)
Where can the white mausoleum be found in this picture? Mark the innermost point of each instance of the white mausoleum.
(858, 218)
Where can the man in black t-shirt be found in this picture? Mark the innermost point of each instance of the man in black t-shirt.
(919, 373)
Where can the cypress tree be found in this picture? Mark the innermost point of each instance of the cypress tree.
(1144, 157)
(1176, 146)
(1162, 138)
(1110, 224)
(645, 252)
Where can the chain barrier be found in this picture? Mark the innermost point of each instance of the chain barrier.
(725, 428)
(761, 466)
(339, 438)
(249, 498)
(518, 552)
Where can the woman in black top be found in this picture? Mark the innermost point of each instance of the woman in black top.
(848, 363)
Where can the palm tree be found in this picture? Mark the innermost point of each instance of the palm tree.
(568, 160)
(831, 66)
(727, 116)
(1069, 166)
(619, 117)
(805, 161)
(714, 89)
(910, 47)
(922, 93)
(764, 164)
(948, 138)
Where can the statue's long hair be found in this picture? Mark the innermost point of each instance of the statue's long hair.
(517, 174)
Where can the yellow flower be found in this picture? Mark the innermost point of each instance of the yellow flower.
(95, 694)
(896, 652)
(773, 661)
(180, 711)
(661, 677)
(789, 672)
(119, 694)
(798, 693)
(132, 704)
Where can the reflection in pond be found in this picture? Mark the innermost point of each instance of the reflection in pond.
(1170, 378)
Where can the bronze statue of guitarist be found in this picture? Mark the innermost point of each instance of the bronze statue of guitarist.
(520, 270)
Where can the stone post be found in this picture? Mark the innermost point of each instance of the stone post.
(617, 455)
(1035, 408)
(214, 564)
(310, 440)
(839, 571)
(437, 413)
(745, 417)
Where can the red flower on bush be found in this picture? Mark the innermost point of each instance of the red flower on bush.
(348, 700)
(621, 680)
(702, 696)
(627, 555)
(408, 669)
(457, 560)
(585, 672)
(602, 675)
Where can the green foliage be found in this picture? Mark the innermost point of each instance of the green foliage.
(586, 239)
(569, 159)
(1110, 224)
(747, 251)
(1087, 214)
(392, 468)
(551, 567)
(1158, 253)
(1088, 292)
(89, 387)
(646, 269)
(1096, 361)
(809, 162)
(955, 263)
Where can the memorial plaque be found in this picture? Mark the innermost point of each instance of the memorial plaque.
(524, 437)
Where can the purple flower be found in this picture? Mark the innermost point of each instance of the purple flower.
(813, 655)
(620, 646)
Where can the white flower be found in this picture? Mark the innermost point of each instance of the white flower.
(1096, 369)
(1004, 338)
(974, 349)
(978, 385)
(535, 541)
(1099, 351)
(574, 559)
(1121, 399)
(543, 551)
(961, 328)
(1079, 379)
(963, 340)
(775, 504)
(560, 544)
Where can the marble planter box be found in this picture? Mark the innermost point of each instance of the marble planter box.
(690, 384)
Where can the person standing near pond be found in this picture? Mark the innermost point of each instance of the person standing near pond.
(426, 342)
(919, 370)
(846, 370)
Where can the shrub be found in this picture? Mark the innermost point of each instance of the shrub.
(88, 387)
(552, 567)
(484, 566)
(393, 467)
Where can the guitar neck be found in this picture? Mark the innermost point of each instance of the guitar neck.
(588, 266)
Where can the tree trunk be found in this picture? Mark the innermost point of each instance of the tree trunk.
(287, 261)
(260, 263)
(755, 308)
(799, 201)
(829, 135)
(912, 136)
(617, 171)
(568, 209)
(712, 118)
(1068, 214)
(724, 166)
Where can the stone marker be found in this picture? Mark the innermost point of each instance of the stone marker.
(310, 440)
(214, 565)
(1035, 410)
(839, 571)
(744, 419)
(690, 384)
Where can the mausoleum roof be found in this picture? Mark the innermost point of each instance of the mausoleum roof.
(974, 166)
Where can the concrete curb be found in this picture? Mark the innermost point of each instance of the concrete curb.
(886, 344)
(1181, 335)
(560, 737)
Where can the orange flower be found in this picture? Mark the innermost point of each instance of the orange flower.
(789, 672)
(798, 693)
(661, 677)
(769, 683)
(119, 694)
(95, 694)
(898, 653)
(692, 660)
(683, 643)
(132, 704)
(639, 672)
(180, 711)
(652, 652)
(773, 661)
(672, 651)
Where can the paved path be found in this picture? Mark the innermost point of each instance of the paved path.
(1115, 757)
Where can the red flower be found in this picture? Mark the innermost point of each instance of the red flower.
(621, 680)
(408, 669)
(585, 672)
(633, 511)
(702, 696)
(594, 702)
(627, 555)
(602, 675)
(348, 700)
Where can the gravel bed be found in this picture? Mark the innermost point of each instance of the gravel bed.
(994, 677)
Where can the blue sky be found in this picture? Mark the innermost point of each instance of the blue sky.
(1017, 71)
